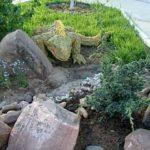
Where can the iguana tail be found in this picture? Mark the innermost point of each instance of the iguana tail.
(90, 41)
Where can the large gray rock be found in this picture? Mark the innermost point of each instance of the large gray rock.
(44, 126)
(4, 134)
(17, 45)
(138, 140)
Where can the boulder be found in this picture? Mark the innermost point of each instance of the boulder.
(44, 126)
(138, 140)
(146, 119)
(23, 104)
(18, 45)
(10, 117)
(4, 134)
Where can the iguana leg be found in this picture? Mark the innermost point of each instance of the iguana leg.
(77, 57)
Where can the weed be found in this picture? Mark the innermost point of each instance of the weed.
(10, 17)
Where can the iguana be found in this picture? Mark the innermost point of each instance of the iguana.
(64, 43)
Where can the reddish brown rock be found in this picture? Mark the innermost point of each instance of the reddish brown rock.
(4, 134)
(138, 140)
(44, 126)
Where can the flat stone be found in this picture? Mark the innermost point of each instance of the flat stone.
(10, 117)
(138, 140)
(13, 106)
(44, 126)
(4, 134)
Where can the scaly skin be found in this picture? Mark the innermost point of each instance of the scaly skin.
(64, 43)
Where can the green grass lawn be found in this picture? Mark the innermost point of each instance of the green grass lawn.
(127, 46)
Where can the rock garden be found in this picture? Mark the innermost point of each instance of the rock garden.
(72, 78)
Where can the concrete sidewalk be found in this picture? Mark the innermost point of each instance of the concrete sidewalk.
(136, 11)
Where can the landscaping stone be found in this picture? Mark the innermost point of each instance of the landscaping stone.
(17, 97)
(44, 126)
(57, 78)
(27, 97)
(92, 147)
(146, 119)
(13, 106)
(3, 103)
(23, 104)
(17, 45)
(4, 134)
(40, 98)
(76, 89)
(138, 140)
(10, 117)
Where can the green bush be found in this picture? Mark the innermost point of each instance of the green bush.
(4, 80)
(28, 9)
(12, 76)
(20, 79)
(118, 92)
(10, 18)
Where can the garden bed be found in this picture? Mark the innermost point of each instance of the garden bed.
(109, 134)
(123, 47)
(64, 7)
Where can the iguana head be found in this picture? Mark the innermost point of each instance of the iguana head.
(59, 28)
(60, 43)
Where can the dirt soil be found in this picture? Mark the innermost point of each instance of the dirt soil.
(64, 7)
(110, 134)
